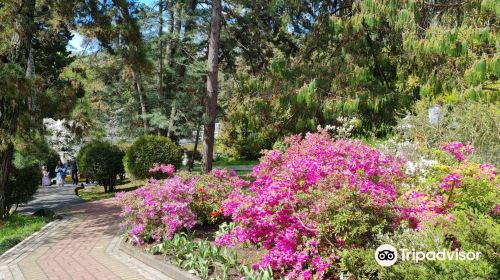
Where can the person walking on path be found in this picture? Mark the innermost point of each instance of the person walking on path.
(60, 173)
(74, 172)
(45, 177)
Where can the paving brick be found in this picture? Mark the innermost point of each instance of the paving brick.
(81, 246)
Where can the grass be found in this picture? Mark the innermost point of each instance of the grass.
(228, 162)
(17, 227)
(97, 192)
(225, 162)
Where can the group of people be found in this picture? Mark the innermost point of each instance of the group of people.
(61, 171)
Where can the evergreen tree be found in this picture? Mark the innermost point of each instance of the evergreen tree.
(369, 59)
(33, 54)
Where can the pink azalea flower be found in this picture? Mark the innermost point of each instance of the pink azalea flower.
(452, 180)
(457, 149)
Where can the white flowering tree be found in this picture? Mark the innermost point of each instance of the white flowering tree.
(61, 136)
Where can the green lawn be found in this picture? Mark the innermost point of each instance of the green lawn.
(236, 162)
(241, 173)
(97, 192)
(225, 163)
(222, 162)
(17, 227)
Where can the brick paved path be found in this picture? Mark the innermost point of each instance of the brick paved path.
(52, 197)
(81, 246)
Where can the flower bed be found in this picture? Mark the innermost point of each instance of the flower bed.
(318, 207)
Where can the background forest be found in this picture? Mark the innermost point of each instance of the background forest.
(288, 66)
(380, 68)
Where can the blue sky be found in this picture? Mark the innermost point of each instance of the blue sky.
(76, 43)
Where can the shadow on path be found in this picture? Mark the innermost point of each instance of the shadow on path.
(51, 197)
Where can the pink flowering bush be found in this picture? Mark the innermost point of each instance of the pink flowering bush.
(280, 210)
(451, 185)
(157, 210)
(451, 181)
(468, 184)
(416, 207)
(457, 208)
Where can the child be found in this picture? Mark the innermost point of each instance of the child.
(45, 178)
(60, 173)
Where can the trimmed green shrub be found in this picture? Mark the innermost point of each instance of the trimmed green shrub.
(149, 150)
(22, 184)
(80, 158)
(102, 162)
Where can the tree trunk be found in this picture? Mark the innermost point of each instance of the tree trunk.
(160, 60)
(181, 70)
(170, 23)
(212, 87)
(138, 88)
(188, 26)
(178, 44)
(5, 167)
(195, 149)
(169, 58)
(173, 112)
(173, 46)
